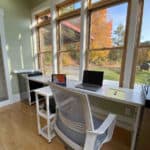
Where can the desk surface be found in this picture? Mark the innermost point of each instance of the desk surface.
(109, 90)
(41, 79)
(45, 91)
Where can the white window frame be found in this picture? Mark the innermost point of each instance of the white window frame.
(5, 61)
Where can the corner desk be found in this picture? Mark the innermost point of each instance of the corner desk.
(126, 103)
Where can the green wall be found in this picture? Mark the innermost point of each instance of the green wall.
(17, 21)
(34, 3)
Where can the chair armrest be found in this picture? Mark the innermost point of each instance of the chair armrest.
(110, 120)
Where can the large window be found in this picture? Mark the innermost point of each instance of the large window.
(44, 42)
(107, 39)
(69, 40)
(143, 60)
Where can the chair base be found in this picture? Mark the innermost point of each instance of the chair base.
(67, 147)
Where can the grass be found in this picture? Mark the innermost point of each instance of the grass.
(142, 76)
(110, 74)
(114, 74)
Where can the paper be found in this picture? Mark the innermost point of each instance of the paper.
(116, 93)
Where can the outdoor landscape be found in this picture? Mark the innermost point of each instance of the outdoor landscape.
(106, 45)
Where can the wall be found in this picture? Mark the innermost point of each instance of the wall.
(17, 20)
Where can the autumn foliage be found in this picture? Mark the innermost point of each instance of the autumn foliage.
(100, 35)
(101, 30)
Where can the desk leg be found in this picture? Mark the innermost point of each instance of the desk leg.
(37, 110)
(48, 120)
(135, 130)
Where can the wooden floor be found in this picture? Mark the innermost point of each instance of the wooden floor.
(18, 131)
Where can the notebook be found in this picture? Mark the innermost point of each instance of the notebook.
(92, 80)
(59, 79)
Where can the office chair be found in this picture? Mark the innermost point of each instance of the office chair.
(75, 124)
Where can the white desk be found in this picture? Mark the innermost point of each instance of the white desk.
(130, 97)
(41, 79)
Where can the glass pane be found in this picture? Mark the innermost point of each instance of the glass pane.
(45, 38)
(70, 34)
(69, 8)
(69, 64)
(45, 62)
(95, 1)
(43, 18)
(143, 66)
(145, 34)
(108, 61)
(108, 27)
(3, 87)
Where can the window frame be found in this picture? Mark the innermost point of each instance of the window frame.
(70, 15)
(102, 5)
(138, 43)
(37, 31)
(67, 14)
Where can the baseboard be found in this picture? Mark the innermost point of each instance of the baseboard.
(5, 103)
(24, 95)
(15, 98)
(122, 121)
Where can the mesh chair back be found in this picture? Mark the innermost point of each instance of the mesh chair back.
(73, 112)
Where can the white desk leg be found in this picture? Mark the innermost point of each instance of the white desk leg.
(37, 111)
(136, 127)
(48, 120)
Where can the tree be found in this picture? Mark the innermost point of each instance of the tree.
(118, 40)
(100, 36)
(143, 55)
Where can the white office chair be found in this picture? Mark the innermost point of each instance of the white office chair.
(75, 124)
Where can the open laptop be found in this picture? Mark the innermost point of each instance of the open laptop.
(92, 80)
(59, 79)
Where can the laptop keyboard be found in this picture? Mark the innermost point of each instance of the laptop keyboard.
(89, 87)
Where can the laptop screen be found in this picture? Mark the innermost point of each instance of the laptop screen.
(93, 77)
(59, 79)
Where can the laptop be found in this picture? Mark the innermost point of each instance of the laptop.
(59, 79)
(92, 80)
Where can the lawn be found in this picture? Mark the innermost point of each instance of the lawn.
(113, 74)
(142, 76)
(109, 73)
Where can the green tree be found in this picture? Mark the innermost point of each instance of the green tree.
(118, 40)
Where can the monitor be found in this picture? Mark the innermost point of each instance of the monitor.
(59, 79)
(93, 77)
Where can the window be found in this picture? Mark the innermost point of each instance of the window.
(96, 1)
(69, 44)
(143, 60)
(44, 42)
(107, 39)
(69, 8)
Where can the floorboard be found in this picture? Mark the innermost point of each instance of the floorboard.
(18, 131)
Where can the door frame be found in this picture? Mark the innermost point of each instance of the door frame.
(5, 61)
